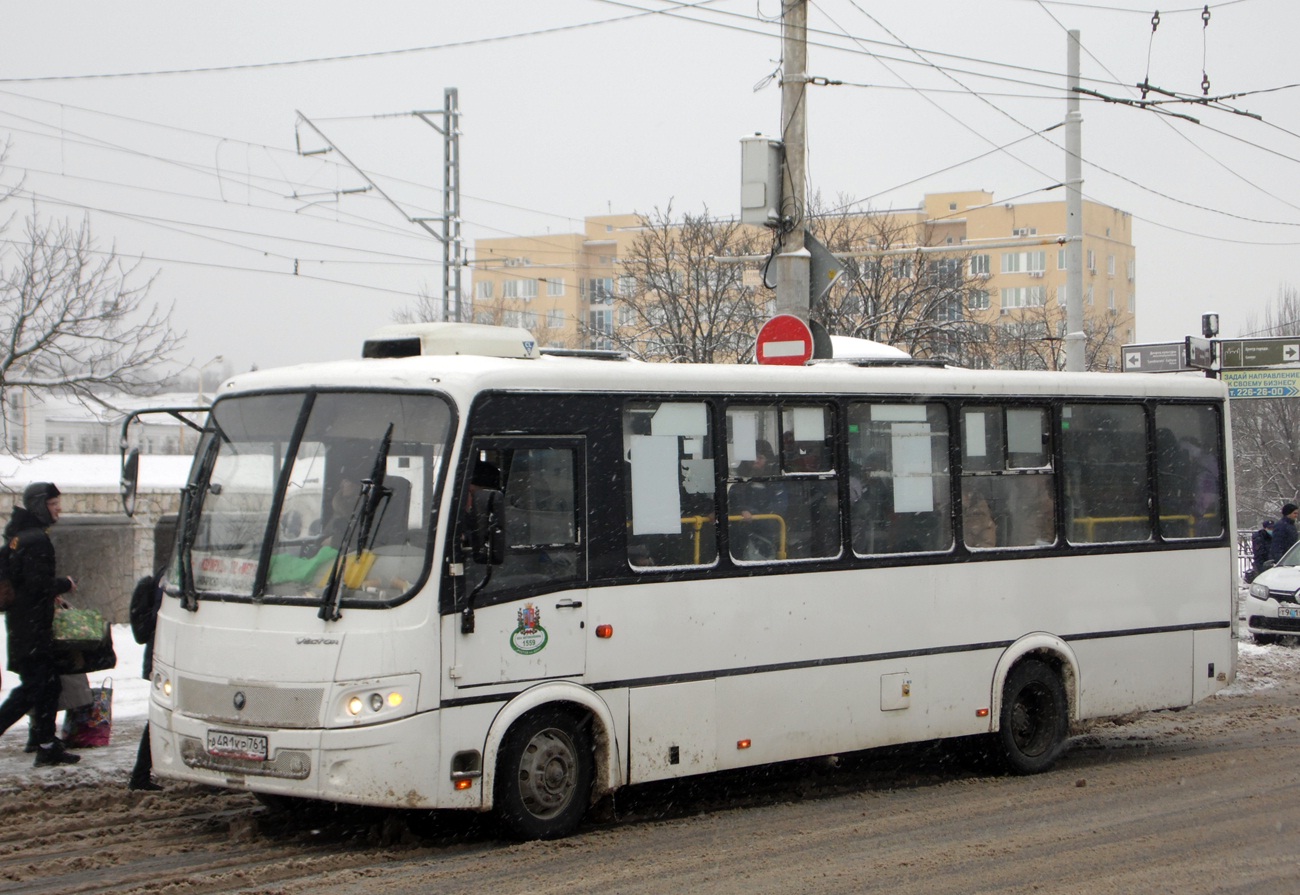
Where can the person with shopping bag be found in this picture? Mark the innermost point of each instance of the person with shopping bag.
(30, 622)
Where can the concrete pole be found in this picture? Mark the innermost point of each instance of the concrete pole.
(1075, 341)
(793, 260)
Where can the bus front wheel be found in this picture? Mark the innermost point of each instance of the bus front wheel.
(1034, 720)
(544, 775)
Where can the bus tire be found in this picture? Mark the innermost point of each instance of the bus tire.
(1034, 720)
(544, 775)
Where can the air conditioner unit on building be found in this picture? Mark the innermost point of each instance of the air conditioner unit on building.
(1036, 273)
(516, 262)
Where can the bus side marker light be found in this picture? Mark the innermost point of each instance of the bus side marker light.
(743, 744)
(463, 784)
(981, 713)
(604, 632)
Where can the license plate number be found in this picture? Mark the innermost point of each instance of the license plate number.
(1288, 612)
(237, 745)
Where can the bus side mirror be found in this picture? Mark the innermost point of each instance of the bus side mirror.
(488, 527)
(130, 480)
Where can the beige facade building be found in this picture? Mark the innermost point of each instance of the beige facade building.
(561, 286)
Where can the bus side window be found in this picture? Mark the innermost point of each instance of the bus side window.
(668, 449)
(783, 496)
(1107, 486)
(1007, 464)
(898, 478)
(1189, 471)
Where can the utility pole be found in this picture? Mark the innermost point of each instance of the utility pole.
(793, 259)
(450, 237)
(452, 246)
(1075, 341)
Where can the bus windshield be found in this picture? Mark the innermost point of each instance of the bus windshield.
(293, 489)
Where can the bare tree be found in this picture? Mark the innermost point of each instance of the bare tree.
(1033, 338)
(75, 320)
(1265, 431)
(676, 301)
(891, 291)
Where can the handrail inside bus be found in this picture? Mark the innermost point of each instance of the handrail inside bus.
(698, 523)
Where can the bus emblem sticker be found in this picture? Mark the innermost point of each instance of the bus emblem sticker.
(530, 637)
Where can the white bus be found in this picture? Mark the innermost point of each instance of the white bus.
(480, 578)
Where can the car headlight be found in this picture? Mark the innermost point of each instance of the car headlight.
(1259, 591)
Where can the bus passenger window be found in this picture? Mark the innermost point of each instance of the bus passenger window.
(1189, 471)
(783, 500)
(671, 521)
(1107, 487)
(1007, 466)
(898, 478)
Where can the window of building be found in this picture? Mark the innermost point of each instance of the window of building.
(1132, 303)
(510, 289)
(1110, 299)
(626, 287)
(1092, 261)
(1110, 265)
(977, 300)
(528, 289)
(555, 319)
(1023, 297)
(483, 289)
(1024, 262)
(979, 265)
(555, 286)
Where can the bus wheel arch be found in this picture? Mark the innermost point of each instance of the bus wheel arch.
(579, 720)
(1034, 701)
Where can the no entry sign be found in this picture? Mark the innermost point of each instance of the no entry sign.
(785, 339)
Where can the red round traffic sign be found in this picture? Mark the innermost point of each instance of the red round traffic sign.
(785, 339)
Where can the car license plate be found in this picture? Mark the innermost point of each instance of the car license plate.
(237, 745)
(1288, 612)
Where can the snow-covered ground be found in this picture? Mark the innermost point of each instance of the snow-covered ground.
(130, 708)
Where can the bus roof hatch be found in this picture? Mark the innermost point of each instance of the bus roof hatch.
(413, 339)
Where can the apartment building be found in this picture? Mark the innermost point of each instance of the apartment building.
(562, 286)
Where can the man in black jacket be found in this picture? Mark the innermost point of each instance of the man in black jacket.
(30, 621)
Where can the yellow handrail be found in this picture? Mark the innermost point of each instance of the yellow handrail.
(698, 523)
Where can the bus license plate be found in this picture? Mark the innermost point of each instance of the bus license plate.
(237, 745)
(1288, 612)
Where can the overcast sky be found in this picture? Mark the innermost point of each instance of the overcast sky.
(172, 127)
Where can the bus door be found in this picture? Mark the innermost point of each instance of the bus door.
(530, 616)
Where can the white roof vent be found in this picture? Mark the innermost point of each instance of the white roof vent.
(414, 339)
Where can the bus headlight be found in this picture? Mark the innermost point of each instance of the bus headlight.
(161, 687)
(371, 702)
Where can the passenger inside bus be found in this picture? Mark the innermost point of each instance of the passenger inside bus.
(759, 503)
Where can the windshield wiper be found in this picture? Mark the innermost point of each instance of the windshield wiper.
(191, 507)
(362, 521)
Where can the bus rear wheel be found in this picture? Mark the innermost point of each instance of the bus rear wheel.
(544, 775)
(1034, 720)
